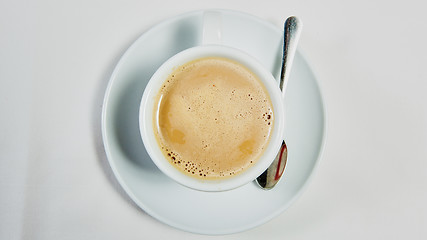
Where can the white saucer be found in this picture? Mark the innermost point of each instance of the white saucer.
(203, 212)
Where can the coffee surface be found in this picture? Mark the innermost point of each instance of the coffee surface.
(213, 118)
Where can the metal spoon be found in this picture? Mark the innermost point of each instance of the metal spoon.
(292, 30)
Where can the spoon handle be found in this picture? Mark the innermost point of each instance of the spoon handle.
(292, 32)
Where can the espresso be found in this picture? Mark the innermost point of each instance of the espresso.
(214, 118)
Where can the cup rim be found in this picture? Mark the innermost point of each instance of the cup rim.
(147, 105)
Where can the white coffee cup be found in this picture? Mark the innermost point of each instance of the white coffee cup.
(149, 101)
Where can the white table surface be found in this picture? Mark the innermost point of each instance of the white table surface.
(56, 58)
